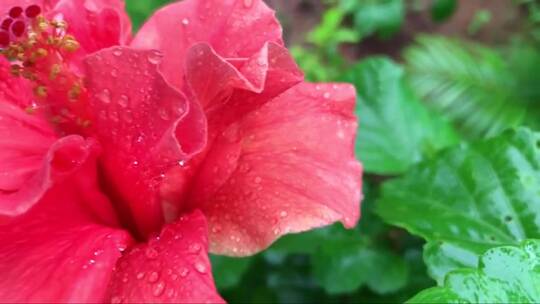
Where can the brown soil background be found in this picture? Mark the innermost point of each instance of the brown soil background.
(300, 16)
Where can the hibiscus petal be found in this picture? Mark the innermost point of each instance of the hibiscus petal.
(227, 90)
(213, 79)
(96, 24)
(286, 167)
(56, 252)
(234, 28)
(15, 90)
(32, 160)
(171, 268)
(145, 126)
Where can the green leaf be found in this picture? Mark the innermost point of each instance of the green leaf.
(472, 85)
(324, 32)
(343, 260)
(480, 20)
(396, 129)
(344, 267)
(140, 10)
(383, 17)
(310, 242)
(392, 270)
(442, 9)
(229, 271)
(311, 64)
(469, 198)
(508, 274)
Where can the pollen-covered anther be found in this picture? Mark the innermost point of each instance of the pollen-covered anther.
(70, 44)
(75, 92)
(55, 71)
(41, 50)
(40, 91)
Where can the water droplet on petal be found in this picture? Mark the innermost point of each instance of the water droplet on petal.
(104, 96)
(216, 228)
(123, 101)
(170, 293)
(185, 21)
(151, 253)
(154, 57)
(326, 95)
(248, 3)
(153, 277)
(258, 180)
(184, 272)
(158, 289)
(283, 213)
(164, 114)
(140, 275)
(194, 248)
(114, 73)
(117, 52)
(200, 267)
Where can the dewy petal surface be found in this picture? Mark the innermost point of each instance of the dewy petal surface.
(58, 252)
(234, 28)
(145, 126)
(32, 159)
(14, 90)
(213, 79)
(171, 268)
(96, 24)
(285, 167)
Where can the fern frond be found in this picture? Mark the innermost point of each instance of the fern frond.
(471, 85)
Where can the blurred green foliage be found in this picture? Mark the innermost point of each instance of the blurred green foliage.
(398, 130)
(446, 182)
(441, 10)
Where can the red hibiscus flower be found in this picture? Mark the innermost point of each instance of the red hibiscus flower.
(117, 153)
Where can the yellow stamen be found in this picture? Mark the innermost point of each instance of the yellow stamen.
(30, 110)
(40, 91)
(70, 44)
(74, 92)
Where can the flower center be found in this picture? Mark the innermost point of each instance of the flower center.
(40, 50)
